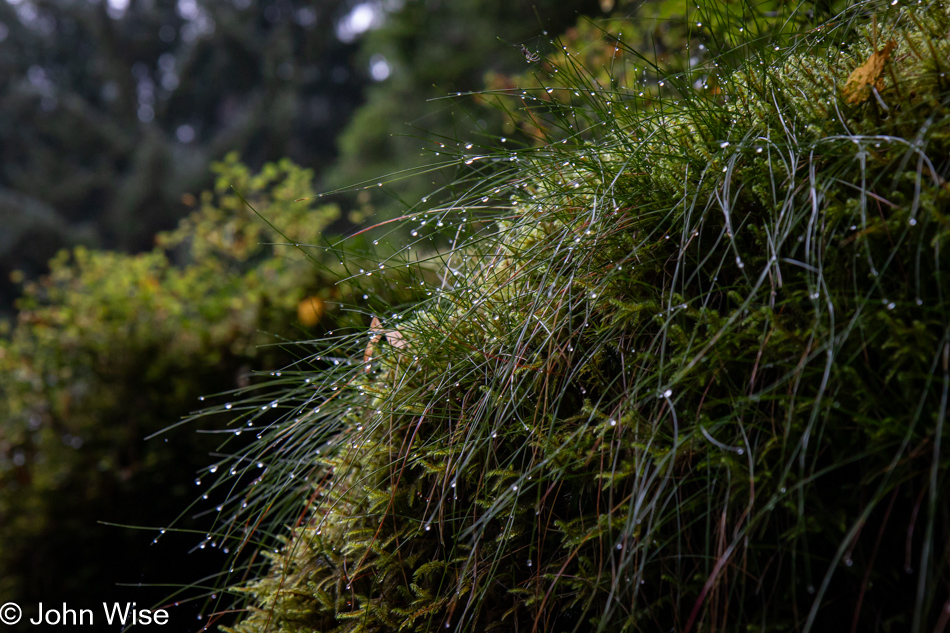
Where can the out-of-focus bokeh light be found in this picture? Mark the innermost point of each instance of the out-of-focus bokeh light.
(379, 68)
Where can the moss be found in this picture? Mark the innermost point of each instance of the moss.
(695, 378)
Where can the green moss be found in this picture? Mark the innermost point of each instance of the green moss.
(694, 377)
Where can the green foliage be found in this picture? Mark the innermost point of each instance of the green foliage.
(686, 368)
(109, 347)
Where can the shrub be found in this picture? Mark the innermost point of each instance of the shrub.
(109, 347)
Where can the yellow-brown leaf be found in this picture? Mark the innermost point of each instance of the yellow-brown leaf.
(868, 75)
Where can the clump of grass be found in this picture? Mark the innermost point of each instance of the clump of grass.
(685, 367)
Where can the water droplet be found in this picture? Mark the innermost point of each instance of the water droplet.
(529, 562)
(228, 405)
(667, 393)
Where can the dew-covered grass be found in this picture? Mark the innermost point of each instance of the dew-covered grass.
(683, 365)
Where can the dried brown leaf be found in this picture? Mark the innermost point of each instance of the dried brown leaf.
(868, 75)
(394, 337)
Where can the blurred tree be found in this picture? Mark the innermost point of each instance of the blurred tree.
(111, 110)
(424, 52)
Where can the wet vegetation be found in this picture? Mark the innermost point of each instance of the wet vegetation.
(655, 337)
(683, 364)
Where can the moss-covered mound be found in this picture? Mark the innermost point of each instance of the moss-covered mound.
(689, 371)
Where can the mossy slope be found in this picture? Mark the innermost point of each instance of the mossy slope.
(693, 375)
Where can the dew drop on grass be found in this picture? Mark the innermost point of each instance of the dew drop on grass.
(228, 405)
(529, 562)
